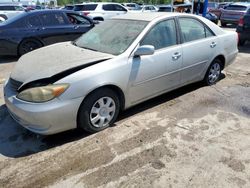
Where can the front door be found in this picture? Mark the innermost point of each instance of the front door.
(154, 74)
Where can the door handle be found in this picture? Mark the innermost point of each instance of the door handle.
(213, 44)
(76, 27)
(176, 55)
(40, 28)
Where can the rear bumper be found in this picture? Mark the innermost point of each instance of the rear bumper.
(229, 21)
(8, 47)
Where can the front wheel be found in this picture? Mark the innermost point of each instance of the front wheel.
(28, 45)
(213, 72)
(99, 110)
(223, 24)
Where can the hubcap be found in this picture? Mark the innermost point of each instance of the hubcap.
(29, 46)
(102, 112)
(214, 73)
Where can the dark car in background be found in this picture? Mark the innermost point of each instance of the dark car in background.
(243, 28)
(164, 8)
(213, 7)
(68, 7)
(233, 12)
(10, 10)
(34, 29)
(212, 17)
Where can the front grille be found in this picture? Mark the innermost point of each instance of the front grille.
(14, 84)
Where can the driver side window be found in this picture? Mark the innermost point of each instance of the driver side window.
(162, 35)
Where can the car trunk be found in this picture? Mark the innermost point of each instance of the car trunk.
(234, 12)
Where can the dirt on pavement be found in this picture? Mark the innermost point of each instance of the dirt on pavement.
(195, 136)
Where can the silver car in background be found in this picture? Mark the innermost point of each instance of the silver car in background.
(118, 64)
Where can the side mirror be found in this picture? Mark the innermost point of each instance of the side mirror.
(145, 50)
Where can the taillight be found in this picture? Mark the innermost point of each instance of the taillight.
(241, 22)
(85, 13)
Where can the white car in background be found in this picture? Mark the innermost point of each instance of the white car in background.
(9, 10)
(101, 11)
(132, 6)
(149, 8)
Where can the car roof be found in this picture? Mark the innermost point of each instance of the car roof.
(50, 10)
(99, 3)
(7, 4)
(241, 3)
(147, 16)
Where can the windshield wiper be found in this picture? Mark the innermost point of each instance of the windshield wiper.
(74, 43)
(89, 49)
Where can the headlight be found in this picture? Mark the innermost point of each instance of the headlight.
(42, 94)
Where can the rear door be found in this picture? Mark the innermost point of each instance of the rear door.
(56, 27)
(199, 48)
(35, 28)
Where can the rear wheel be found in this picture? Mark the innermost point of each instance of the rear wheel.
(223, 24)
(99, 110)
(213, 72)
(28, 45)
(242, 42)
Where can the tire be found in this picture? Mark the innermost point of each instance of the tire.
(28, 45)
(242, 42)
(213, 73)
(3, 16)
(223, 24)
(98, 19)
(99, 110)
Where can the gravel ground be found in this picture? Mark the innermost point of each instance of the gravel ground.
(195, 136)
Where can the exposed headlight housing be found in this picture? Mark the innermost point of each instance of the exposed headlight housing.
(42, 94)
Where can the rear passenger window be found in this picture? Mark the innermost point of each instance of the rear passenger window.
(161, 35)
(18, 8)
(34, 21)
(208, 32)
(85, 7)
(108, 7)
(192, 29)
(53, 19)
(119, 8)
(7, 8)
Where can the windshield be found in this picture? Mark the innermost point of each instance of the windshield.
(111, 36)
(236, 7)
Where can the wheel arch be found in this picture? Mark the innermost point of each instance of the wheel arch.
(98, 18)
(29, 38)
(114, 88)
(4, 16)
(222, 60)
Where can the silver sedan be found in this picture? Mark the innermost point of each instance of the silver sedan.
(118, 64)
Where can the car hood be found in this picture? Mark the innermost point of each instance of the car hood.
(54, 59)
